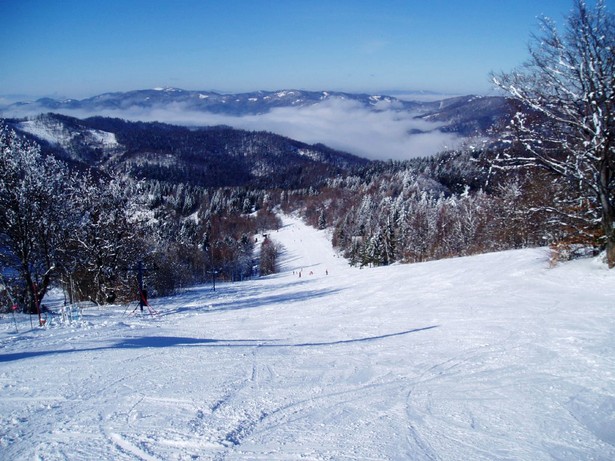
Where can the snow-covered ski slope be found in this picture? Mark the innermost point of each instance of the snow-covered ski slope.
(494, 357)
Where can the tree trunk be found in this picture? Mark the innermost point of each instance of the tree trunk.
(610, 254)
(609, 235)
(608, 218)
(608, 210)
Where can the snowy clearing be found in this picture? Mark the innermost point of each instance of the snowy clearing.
(493, 357)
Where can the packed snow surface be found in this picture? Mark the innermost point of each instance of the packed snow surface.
(494, 357)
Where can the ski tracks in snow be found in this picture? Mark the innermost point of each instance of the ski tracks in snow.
(439, 361)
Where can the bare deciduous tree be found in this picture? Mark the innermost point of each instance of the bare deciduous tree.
(35, 214)
(567, 125)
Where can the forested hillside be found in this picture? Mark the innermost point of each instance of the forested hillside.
(208, 157)
(191, 204)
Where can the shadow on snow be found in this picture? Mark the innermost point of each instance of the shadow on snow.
(174, 341)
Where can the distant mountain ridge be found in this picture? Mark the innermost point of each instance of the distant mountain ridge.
(466, 115)
(250, 103)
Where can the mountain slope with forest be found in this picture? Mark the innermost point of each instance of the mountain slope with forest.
(217, 156)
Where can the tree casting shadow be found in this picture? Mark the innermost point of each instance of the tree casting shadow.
(146, 342)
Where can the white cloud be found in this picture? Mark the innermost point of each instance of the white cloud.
(348, 126)
(337, 123)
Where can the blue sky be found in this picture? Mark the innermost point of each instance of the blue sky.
(66, 48)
